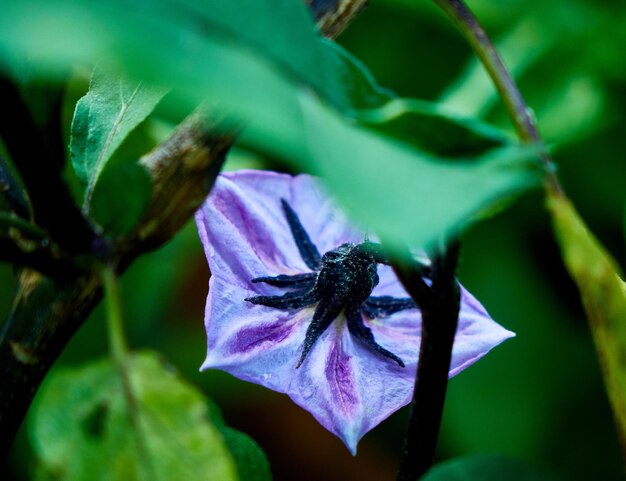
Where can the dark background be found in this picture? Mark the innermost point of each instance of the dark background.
(538, 397)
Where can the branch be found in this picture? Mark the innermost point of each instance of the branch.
(46, 314)
(27, 246)
(43, 258)
(439, 305)
(333, 16)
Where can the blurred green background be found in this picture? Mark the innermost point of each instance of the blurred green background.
(539, 397)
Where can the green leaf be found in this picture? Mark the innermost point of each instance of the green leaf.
(603, 293)
(357, 81)
(252, 464)
(251, 461)
(120, 198)
(282, 31)
(396, 190)
(81, 429)
(486, 468)
(426, 125)
(104, 117)
(433, 128)
(403, 194)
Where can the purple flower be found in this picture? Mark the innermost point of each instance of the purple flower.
(299, 303)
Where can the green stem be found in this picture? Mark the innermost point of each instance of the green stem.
(521, 115)
(117, 340)
(121, 357)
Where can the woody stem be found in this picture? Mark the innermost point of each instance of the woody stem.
(439, 303)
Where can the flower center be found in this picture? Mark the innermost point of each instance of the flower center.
(347, 276)
(340, 281)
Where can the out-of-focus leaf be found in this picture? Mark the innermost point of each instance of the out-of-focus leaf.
(112, 108)
(571, 110)
(120, 198)
(603, 293)
(376, 178)
(357, 81)
(251, 461)
(433, 128)
(487, 468)
(252, 464)
(426, 125)
(81, 429)
(237, 83)
(281, 31)
(403, 194)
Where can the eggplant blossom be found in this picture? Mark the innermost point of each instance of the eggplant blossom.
(302, 303)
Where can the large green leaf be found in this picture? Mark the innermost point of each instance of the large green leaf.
(487, 468)
(404, 194)
(104, 117)
(426, 125)
(282, 32)
(358, 83)
(603, 293)
(433, 128)
(397, 190)
(82, 430)
(251, 461)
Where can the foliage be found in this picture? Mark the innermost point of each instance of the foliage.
(486, 468)
(83, 428)
(603, 294)
(112, 108)
(285, 120)
(407, 169)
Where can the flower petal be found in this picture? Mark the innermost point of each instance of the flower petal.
(345, 385)
(244, 216)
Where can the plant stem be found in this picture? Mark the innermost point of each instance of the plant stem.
(117, 340)
(521, 115)
(40, 258)
(123, 362)
(26, 245)
(440, 305)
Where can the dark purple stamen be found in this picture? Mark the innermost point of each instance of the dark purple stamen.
(342, 280)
